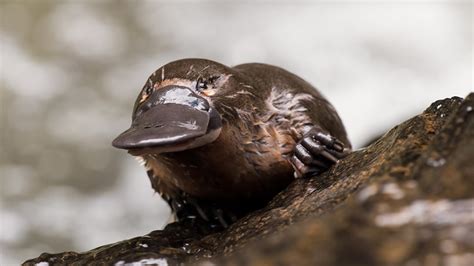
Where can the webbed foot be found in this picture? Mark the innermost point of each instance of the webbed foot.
(316, 152)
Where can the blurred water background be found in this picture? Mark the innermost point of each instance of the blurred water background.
(70, 71)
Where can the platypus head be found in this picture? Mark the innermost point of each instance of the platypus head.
(176, 109)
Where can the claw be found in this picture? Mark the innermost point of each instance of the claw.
(312, 145)
(198, 209)
(325, 139)
(338, 146)
(297, 165)
(220, 217)
(300, 168)
(329, 156)
(303, 155)
(329, 141)
(316, 152)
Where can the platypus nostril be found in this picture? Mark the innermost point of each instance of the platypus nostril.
(155, 125)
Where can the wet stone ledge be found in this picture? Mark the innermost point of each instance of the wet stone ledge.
(406, 199)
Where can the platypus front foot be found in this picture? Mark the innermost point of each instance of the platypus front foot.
(316, 152)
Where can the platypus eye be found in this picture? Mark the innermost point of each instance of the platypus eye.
(207, 86)
(201, 84)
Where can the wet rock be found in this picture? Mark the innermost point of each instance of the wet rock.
(407, 199)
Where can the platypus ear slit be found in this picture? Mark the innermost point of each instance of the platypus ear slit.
(316, 152)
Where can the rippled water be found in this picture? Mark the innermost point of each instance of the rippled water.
(70, 71)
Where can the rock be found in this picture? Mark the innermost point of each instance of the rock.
(407, 199)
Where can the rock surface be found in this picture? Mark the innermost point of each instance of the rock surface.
(407, 199)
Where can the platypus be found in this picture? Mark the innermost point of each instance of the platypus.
(219, 141)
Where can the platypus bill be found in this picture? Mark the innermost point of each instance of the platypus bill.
(219, 142)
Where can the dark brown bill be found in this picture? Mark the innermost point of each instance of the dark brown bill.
(164, 125)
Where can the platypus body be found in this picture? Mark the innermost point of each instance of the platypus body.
(221, 141)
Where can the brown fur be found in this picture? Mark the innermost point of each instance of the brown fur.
(265, 110)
